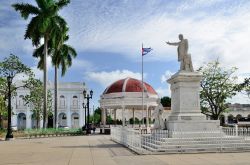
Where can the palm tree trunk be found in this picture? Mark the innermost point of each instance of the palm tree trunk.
(56, 98)
(45, 78)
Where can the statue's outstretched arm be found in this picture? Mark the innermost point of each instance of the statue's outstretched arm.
(173, 43)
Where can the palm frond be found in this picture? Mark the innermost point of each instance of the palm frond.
(40, 64)
(71, 50)
(32, 28)
(26, 9)
(60, 21)
(42, 4)
(38, 52)
(62, 3)
(64, 67)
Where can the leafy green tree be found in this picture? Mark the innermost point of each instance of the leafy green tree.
(166, 101)
(3, 110)
(96, 118)
(9, 68)
(44, 24)
(246, 87)
(35, 99)
(62, 55)
(109, 120)
(218, 84)
(12, 66)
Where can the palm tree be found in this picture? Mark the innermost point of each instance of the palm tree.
(62, 55)
(43, 24)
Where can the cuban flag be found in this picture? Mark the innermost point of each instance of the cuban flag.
(145, 51)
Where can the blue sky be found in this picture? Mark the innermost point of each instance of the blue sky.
(108, 34)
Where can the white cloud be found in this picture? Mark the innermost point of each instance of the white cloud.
(20, 77)
(121, 28)
(221, 33)
(166, 76)
(106, 78)
(163, 91)
(84, 64)
(38, 73)
(239, 98)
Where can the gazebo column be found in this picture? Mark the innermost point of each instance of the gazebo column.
(103, 116)
(103, 119)
(106, 115)
(115, 116)
(150, 115)
(123, 115)
(147, 119)
(133, 117)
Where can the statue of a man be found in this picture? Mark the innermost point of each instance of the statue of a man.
(183, 56)
(158, 123)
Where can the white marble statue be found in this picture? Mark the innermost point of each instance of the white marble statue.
(158, 123)
(183, 56)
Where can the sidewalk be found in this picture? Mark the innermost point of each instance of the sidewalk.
(100, 150)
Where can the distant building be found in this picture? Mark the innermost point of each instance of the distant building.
(70, 112)
(236, 113)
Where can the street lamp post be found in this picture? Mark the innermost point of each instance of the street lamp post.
(85, 116)
(9, 134)
(88, 96)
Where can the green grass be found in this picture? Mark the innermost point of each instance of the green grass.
(52, 131)
(44, 132)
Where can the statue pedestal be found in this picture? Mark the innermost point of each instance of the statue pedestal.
(185, 114)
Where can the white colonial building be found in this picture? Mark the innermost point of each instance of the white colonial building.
(70, 110)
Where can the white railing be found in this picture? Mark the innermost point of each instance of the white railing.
(235, 131)
(128, 137)
(136, 139)
(145, 141)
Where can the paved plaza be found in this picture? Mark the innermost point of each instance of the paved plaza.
(99, 149)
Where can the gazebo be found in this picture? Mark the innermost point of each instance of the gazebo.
(126, 95)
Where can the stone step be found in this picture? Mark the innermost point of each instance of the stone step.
(196, 145)
(224, 141)
(196, 150)
(184, 140)
(199, 148)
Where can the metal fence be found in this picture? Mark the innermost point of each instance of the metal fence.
(144, 141)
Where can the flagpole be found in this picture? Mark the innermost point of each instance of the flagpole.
(142, 87)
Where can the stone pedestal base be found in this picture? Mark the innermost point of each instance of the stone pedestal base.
(195, 128)
(186, 117)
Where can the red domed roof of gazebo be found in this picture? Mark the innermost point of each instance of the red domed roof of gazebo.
(129, 85)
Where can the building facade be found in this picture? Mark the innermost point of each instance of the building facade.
(70, 112)
(236, 113)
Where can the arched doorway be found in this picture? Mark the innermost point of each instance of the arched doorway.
(248, 117)
(230, 119)
(238, 117)
(222, 120)
(50, 120)
(21, 121)
(62, 120)
(75, 120)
